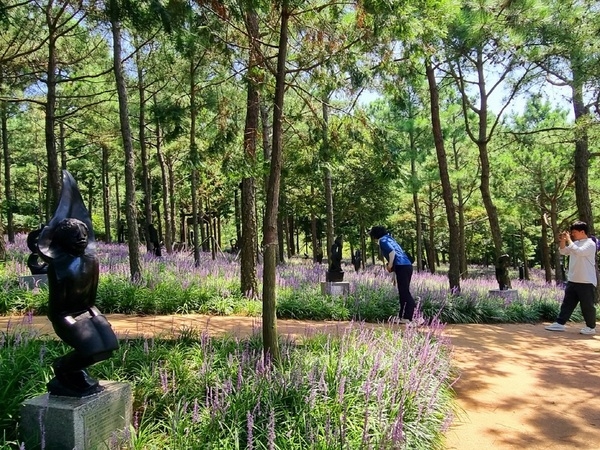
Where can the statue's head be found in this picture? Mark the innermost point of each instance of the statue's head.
(504, 261)
(72, 236)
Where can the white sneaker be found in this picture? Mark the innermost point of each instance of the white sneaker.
(403, 321)
(588, 331)
(555, 327)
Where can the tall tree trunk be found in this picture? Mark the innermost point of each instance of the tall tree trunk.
(90, 187)
(10, 229)
(172, 210)
(292, 242)
(417, 206)
(53, 185)
(40, 189)
(133, 239)
(545, 253)
(330, 227)
(106, 193)
(165, 188)
(482, 145)
(267, 135)
(204, 218)
(249, 229)
(62, 149)
(524, 254)
(195, 162)
(581, 156)
(118, 206)
(271, 345)
(430, 244)
(464, 274)
(237, 214)
(280, 237)
(559, 274)
(2, 244)
(146, 185)
(454, 269)
(313, 226)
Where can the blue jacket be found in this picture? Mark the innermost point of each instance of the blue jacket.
(387, 244)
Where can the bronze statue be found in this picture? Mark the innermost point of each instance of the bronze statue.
(335, 272)
(36, 267)
(502, 272)
(357, 260)
(68, 245)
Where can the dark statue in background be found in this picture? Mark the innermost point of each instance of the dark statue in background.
(68, 245)
(357, 260)
(36, 266)
(154, 240)
(502, 266)
(335, 272)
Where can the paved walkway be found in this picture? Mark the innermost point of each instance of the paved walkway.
(520, 387)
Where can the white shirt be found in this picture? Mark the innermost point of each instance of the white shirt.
(582, 261)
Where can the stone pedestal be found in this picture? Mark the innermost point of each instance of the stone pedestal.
(507, 294)
(34, 281)
(88, 423)
(335, 288)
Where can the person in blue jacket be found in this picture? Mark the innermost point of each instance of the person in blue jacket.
(398, 262)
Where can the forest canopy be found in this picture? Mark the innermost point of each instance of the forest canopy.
(469, 129)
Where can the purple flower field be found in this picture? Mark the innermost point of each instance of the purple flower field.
(173, 284)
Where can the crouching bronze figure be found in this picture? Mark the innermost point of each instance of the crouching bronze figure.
(68, 245)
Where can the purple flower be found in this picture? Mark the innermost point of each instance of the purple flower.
(250, 430)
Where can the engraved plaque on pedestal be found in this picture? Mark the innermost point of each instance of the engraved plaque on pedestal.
(81, 423)
(509, 295)
(338, 288)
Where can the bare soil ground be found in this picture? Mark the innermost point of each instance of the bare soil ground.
(520, 387)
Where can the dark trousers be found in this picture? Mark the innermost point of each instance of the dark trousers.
(407, 302)
(582, 293)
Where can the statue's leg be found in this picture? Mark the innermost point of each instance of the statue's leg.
(93, 340)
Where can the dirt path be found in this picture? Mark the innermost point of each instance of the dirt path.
(520, 387)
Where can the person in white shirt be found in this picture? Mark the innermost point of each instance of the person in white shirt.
(582, 281)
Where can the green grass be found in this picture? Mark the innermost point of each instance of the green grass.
(365, 389)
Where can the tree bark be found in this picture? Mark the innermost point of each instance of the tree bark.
(417, 206)
(249, 229)
(281, 236)
(106, 193)
(582, 155)
(545, 254)
(165, 189)
(53, 185)
(133, 240)
(194, 159)
(313, 226)
(430, 244)
(330, 226)
(454, 269)
(271, 345)
(463, 267)
(10, 229)
(172, 210)
(146, 186)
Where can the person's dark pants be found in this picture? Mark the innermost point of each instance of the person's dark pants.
(407, 302)
(582, 293)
